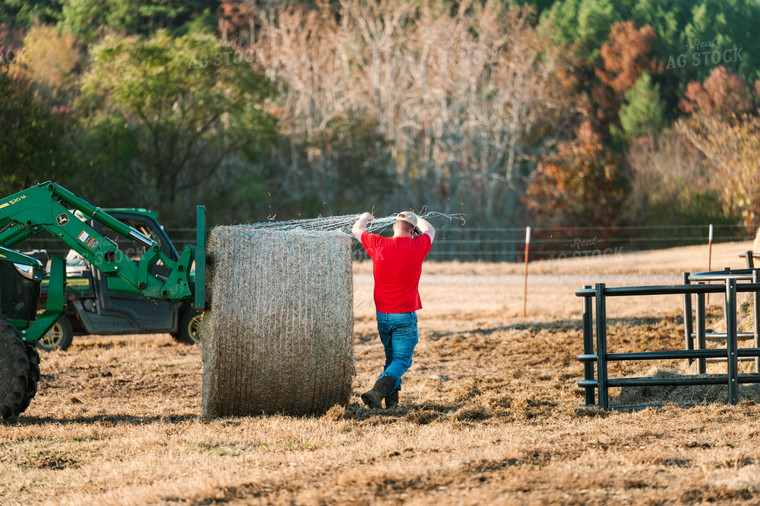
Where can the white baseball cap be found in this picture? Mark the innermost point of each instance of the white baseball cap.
(408, 217)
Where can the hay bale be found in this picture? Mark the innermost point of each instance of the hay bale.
(278, 337)
(682, 395)
(745, 317)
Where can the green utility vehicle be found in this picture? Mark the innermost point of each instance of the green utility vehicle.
(101, 304)
(50, 208)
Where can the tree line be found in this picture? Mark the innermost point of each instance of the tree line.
(553, 113)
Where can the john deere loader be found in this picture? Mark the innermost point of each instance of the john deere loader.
(50, 208)
(106, 305)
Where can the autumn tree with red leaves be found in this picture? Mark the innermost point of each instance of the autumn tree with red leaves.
(724, 128)
(236, 21)
(625, 55)
(582, 183)
(723, 94)
(734, 148)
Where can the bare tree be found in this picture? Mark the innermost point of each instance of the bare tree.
(466, 100)
(733, 145)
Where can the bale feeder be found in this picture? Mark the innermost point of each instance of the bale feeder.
(596, 382)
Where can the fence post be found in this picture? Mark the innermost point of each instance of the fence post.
(505, 251)
(601, 345)
(756, 322)
(588, 345)
(525, 287)
(731, 342)
(709, 256)
(701, 340)
(687, 320)
(726, 270)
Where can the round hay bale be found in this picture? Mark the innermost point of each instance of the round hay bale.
(745, 318)
(756, 242)
(278, 337)
(681, 395)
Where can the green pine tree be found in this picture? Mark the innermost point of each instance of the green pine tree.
(642, 111)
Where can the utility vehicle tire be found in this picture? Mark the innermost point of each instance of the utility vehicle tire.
(189, 327)
(14, 371)
(34, 377)
(59, 337)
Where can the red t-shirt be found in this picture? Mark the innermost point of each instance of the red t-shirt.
(397, 266)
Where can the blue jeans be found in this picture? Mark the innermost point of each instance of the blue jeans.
(398, 333)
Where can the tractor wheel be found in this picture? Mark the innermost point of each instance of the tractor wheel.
(59, 337)
(34, 377)
(14, 371)
(189, 327)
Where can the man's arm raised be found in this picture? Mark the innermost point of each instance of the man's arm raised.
(361, 225)
(425, 227)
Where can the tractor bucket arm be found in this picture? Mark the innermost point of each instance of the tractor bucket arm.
(50, 207)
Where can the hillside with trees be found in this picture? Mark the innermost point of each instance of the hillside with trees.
(552, 113)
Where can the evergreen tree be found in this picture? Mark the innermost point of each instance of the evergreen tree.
(581, 24)
(87, 20)
(23, 14)
(643, 110)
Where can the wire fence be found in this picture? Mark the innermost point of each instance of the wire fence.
(507, 244)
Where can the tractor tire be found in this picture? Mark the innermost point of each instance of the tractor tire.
(34, 377)
(59, 337)
(189, 327)
(14, 371)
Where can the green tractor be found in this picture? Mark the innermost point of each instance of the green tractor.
(48, 207)
(106, 305)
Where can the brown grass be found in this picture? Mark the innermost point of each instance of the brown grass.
(490, 413)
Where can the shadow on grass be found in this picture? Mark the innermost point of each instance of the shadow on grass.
(114, 419)
(421, 414)
(559, 325)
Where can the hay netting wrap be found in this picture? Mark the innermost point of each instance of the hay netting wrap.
(279, 335)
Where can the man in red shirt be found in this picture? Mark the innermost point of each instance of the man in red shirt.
(397, 266)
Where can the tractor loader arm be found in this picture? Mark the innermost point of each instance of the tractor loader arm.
(48, 207)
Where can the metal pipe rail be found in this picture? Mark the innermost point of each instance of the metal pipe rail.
(686, 380)
(738, 274)
(596, 386)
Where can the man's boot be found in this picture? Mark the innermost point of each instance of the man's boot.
(391, 400)
(383, 387)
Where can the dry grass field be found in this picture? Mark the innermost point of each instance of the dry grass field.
(490, 411)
